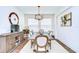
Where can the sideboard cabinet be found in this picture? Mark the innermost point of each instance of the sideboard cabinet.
(8, 41)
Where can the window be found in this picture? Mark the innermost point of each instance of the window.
(46, 24)
(33, 24)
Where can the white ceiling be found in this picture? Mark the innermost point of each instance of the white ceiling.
(43, 9)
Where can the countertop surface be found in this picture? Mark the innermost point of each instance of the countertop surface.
(6, 34)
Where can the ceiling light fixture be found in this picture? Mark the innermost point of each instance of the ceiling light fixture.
(38, 16)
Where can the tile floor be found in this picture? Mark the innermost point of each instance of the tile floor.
(56, 48)
(18, 49)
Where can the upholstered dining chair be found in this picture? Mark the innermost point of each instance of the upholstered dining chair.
(41, 43)
(52, 38)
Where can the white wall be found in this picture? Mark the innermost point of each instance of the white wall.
(4, 21)
(69, 35)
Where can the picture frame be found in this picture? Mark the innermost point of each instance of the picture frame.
(66, 20)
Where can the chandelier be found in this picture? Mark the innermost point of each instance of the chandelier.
(38, 16)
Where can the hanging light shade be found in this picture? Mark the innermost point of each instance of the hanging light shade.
(38, 16)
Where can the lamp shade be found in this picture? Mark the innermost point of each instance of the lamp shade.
(38, 17)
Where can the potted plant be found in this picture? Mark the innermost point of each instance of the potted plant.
(26, 31)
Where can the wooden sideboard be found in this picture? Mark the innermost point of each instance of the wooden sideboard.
(8, 41)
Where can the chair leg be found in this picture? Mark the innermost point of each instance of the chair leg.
(45, 48)
(50, 44)
(31, 43)
(37, 47)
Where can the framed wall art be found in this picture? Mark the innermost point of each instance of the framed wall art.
(66, 20)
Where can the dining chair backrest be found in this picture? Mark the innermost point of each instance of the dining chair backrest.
(41, 40)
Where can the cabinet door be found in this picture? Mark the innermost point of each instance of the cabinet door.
(10, 43)
(2, 44)
(21, 37)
